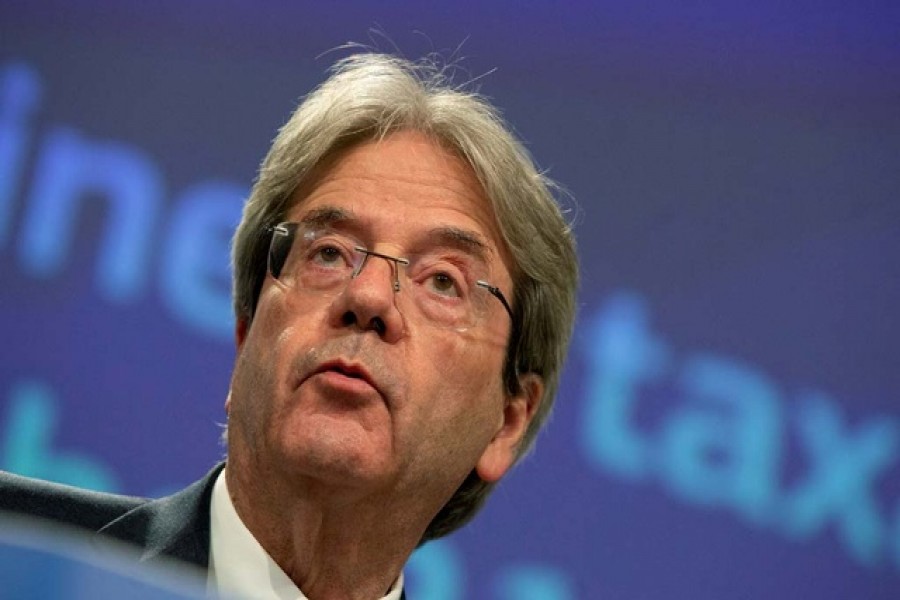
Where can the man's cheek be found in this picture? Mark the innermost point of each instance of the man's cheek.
(472, 369)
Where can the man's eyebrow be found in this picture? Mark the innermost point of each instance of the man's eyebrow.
(466, 240)
(327, 215)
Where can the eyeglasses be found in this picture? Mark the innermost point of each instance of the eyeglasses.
(443, 287)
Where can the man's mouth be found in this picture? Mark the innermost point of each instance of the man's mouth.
(337, 369)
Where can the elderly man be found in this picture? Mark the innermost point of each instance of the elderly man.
(404, 286)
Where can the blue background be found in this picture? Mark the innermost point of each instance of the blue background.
(728, 423)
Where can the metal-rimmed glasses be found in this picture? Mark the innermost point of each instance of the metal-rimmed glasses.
(442, 287)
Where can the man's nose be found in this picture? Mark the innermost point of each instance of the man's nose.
(369, 301)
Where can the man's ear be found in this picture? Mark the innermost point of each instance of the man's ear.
(518, 412)
(241, 326)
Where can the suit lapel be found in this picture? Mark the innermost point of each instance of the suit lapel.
(174, 527)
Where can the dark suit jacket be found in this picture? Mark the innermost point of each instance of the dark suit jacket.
(175, 527)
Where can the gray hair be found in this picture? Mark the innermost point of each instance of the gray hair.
(370, 95)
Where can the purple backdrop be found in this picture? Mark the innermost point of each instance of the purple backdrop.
(728, 424)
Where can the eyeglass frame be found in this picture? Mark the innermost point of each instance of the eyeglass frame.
(492, 289)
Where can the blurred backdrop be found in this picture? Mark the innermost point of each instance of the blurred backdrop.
(728, 424)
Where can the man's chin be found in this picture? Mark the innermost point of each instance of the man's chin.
(340, 456)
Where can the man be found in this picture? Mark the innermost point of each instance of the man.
(404, 286)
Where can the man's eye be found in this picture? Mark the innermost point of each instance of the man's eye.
(327, 255)
(444, 284)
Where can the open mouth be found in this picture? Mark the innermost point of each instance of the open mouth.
(348, 371)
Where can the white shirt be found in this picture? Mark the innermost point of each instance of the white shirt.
(239, 566)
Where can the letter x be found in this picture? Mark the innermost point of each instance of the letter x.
(840, 481)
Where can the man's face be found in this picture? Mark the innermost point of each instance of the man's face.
(323, 393)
